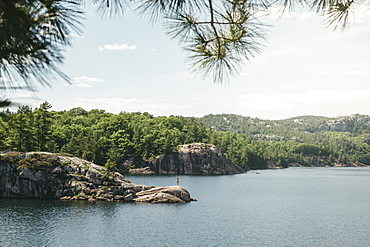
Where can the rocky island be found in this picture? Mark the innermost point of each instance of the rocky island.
(189, 159)
(48, 175)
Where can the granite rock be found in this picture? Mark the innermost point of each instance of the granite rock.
(71, 178)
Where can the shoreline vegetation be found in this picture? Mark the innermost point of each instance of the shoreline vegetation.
(128, 141)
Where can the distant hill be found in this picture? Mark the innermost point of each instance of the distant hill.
(297, 128)
(303, 140)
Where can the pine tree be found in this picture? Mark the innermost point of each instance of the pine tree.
(42, 126)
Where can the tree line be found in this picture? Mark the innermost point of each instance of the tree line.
(305, 139)
(106, 138)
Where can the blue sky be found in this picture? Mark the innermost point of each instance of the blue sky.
(128, 64)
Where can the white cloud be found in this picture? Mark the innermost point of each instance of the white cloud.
(293, 101)
(360, 14)
(116, 47)
(83, 81)
(26, 95)
(326, 72)
(279, 11)
(83, 85)
(266, 102)
(305, 15)
(116, 105)
(353, 72)
(358, 72)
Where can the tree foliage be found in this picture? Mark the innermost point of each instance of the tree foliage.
(304, 140)
(110, 139)
(218, 35)
(33, 36)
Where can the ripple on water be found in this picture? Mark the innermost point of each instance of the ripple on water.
(291, 207)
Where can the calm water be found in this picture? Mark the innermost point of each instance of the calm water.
(290, 207)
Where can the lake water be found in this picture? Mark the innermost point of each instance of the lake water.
(289, 207)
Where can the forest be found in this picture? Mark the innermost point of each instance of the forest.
(306, 140)
(105, 138)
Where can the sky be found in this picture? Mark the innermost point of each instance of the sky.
(129, 64)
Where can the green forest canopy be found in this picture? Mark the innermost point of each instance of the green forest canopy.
(102, 137)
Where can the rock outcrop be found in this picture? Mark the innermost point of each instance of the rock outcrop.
(192, 159)
(163, 194)
(47, 175)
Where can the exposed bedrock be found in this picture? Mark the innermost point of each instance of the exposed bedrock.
(47, 175)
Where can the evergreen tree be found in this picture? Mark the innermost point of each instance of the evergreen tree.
(33, 35)
(20, 129)
(42, 129)
(219, 36)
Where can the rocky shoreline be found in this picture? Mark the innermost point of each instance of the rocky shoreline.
(54, 176)
(47, 175)
(188, 159)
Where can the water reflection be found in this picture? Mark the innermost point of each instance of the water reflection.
(292, 207)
